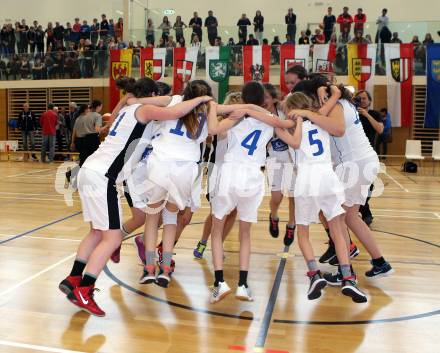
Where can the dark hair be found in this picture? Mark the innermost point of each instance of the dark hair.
(307, 87)
(270, 88)
(164, 88)
(50, 106)
(319, 79)
(95, 104)
(384, 110)
(82, 108)
(298, 70)
(194, 89)
(143, 87)
(363, 91)
(253, 93)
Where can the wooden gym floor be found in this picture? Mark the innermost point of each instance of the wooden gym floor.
(39, 234)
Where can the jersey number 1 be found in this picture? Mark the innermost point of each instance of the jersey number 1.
(118, 121)
(250, 141)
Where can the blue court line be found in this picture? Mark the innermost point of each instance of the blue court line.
(38, 228)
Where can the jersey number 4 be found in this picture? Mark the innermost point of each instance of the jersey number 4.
(250, 141)
(316, 142)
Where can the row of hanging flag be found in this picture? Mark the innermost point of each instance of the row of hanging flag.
(361, 59)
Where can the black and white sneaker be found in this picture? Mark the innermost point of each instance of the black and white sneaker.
(354, 251)
(380, 271)
(329, 254)
(164, 277)
(317, 284)
(289, 237)
(350, 289)
(273, 227)
(335, 279)
(149, 275)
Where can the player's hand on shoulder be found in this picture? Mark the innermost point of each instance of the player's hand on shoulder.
(238, 114)
(206, 99)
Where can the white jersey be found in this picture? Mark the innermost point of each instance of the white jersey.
(114, 157)
(174, 143)
(247, 142)
(315, 146)
(354, 145)
(277, 148)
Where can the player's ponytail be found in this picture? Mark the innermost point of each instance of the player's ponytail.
(194, 89)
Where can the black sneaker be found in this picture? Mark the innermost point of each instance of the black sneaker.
(335, 279)
(380, 271)
(273, 227)
(368, 220)
(329, 254)
(350, 289)
(317, 284)
(164, 277)
(289, 237)
(354, 251)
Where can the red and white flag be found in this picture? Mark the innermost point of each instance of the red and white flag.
(323, 57)
(399, 59)
(256, 63)
(185, 61)
(291, 55)
(153, 63)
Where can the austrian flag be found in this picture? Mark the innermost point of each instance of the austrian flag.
(361, 66)
(256, 63)
(291, 55)
(185, 61)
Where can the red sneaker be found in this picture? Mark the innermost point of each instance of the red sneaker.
(116, 256)
(82, 297)
(68, 284)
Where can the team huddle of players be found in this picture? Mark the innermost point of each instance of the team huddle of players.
(311, 145)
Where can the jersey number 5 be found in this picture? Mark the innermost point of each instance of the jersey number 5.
(316, 142)
(250, 141)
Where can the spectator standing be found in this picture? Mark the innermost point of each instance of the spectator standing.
(242, 24)
(101, 57)
(94, 31)
(4, 42)
(395, 38)
(67, 34)
(359, 20)
(290, 20)
(27, 124)
(119, 28)
(196, 24)
(170, 45)
(150, 32)
(165, 26)
(275, 50)
(372, 123)
(58, 34)
(178, 26)
(328, 22)
(259, 26)
(358, 38)
(11, 38)
(428, 39)
(24, 29)
(345, 20)
(76, 31)
(344, 37)
(48, 123)
(288, 39)
(31, 39)
(104, 27)
(211, 25)
(17, 37)
(111, 30)
(85, 30)
(385, 137)
(382, 22)
(50, 39)
(69, 119)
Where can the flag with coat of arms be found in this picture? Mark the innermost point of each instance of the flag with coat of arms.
(432, 111)
(217, 71)
(185, 62)
(120, 66)
(153, 63)
(291, 55)
(362, 66)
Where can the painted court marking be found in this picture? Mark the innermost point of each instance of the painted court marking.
(38, 274)
(395, 181)
(31, 172)
(35, 347)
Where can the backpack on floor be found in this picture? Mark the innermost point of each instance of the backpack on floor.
(409, 167)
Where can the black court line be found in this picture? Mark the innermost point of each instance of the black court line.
(267, 318)
(177, 305)
(38, 228)
(407, 237)
(271, 303)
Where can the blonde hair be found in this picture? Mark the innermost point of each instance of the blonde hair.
(233, 98)
(299, 100)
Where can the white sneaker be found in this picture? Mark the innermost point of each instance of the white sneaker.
(244, 293)
(218, 293)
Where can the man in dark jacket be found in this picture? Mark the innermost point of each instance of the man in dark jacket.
(27, 123)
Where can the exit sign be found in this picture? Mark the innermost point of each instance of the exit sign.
(169, 12)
